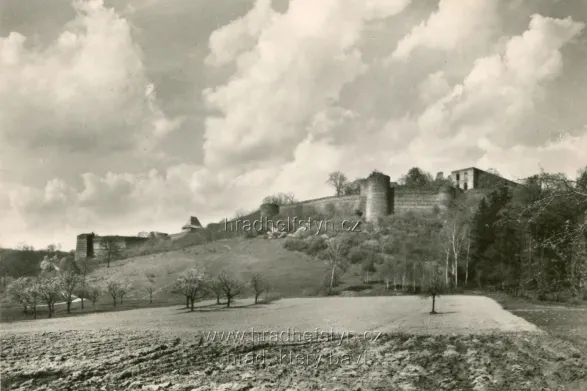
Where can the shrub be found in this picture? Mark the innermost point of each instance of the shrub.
(371, 244)
(356, 255)
(315, 245)
(293, 244)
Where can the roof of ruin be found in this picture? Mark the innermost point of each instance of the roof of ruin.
(193, 222)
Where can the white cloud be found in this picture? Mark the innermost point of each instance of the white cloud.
(87, 90)
(300, 64)
(308, 96)
(456, 25)
(238, 37)
(500, 91)
(433, 87)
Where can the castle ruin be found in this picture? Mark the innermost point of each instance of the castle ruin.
(376, 197)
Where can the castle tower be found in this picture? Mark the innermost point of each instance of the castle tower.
(378, 197)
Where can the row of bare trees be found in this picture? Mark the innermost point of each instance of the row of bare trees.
(53, 284)
(195, 285)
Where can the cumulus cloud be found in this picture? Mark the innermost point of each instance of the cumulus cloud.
(308, 95)
(500, 92)
(456, 25)
(300, 63)
(87, 90)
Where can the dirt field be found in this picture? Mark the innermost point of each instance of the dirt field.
(472, 345)
(458, 314)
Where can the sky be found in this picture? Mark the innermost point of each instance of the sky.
(124, 116)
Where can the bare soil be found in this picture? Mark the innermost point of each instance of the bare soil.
(125, 360)
(472, 345)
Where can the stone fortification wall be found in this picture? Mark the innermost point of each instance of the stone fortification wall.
(421, 200)
(343, 205)
(376, 199)
(90, 245)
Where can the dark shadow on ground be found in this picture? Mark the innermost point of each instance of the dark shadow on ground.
(217, 308)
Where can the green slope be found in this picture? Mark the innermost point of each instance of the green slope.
(290, 274)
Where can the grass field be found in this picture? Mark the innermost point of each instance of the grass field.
(564, 321)
(472, 345)
(291, 274)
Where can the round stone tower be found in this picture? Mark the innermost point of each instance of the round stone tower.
(378, 196)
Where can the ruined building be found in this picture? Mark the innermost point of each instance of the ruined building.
(94, 246)
(192, 225)
(474, 178)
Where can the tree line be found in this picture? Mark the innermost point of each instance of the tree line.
(61, 279)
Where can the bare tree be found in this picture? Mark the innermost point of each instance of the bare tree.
(231, 287)
(49, 289)
(17, 292)
(337, 180)
(114, 288)
(387, 271)
(190, 285)
(432, 285)
(93, 294)
(151, 284)
(455, 239)
(213, 286)
(82, 292)
(33, 293)
(110, 247)
(335, 259)
(258, 285)
(124, 288)
(69, 281)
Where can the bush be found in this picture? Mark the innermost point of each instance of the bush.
(293, 244)
(350, 240)
(356, 255)
(315, 245)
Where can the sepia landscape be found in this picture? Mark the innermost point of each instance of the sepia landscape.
(293, 195)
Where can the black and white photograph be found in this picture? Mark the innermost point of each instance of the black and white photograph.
(292, 195)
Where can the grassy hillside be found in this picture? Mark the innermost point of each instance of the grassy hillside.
(290, 274)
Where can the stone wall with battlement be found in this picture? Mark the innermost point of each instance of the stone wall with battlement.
(377, 198)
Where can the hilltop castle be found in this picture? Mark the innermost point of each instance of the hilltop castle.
(375, 198)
